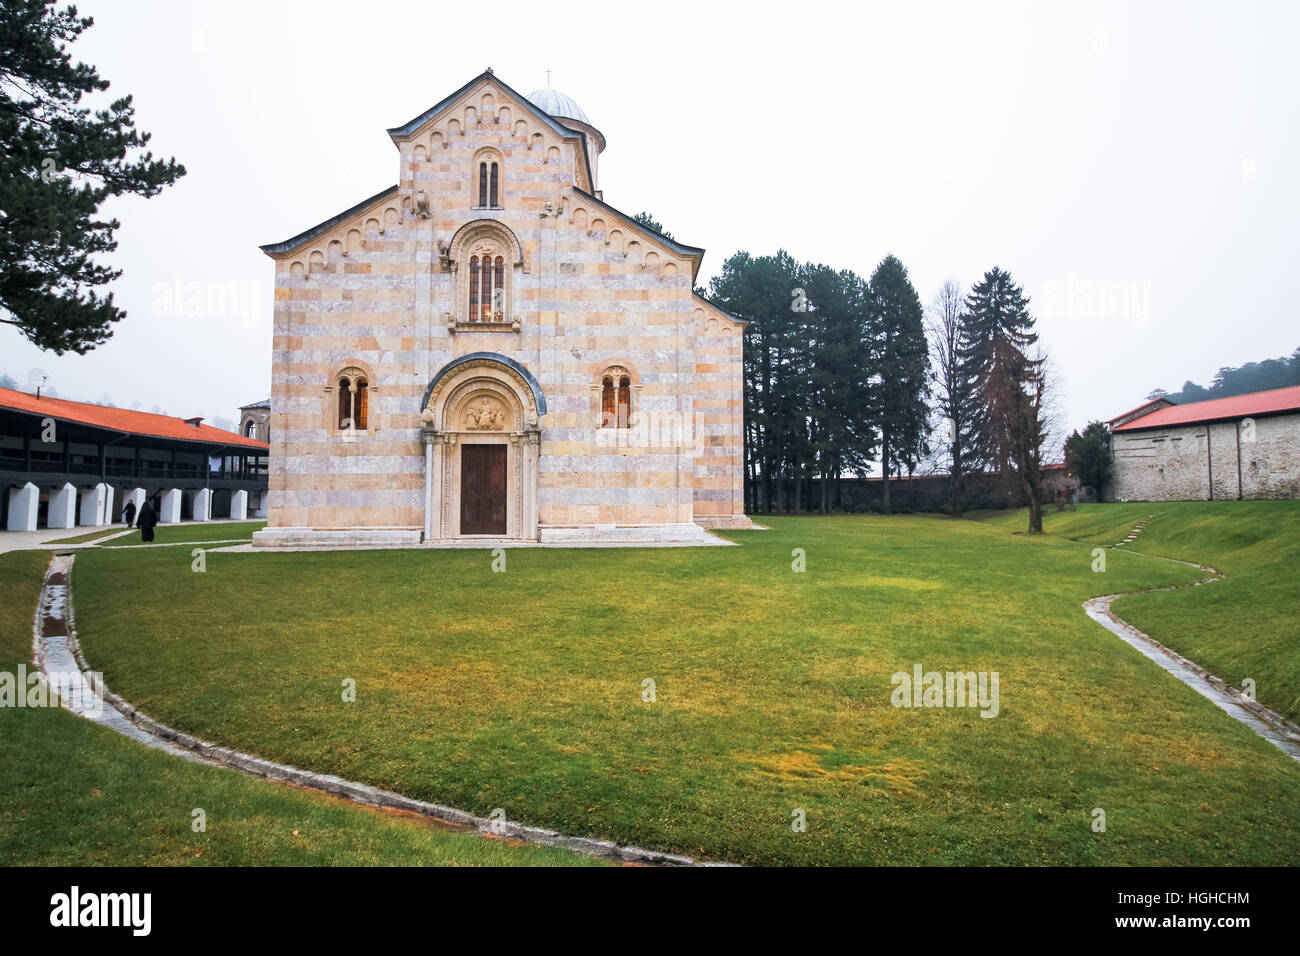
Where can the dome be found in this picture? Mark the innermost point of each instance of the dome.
(558, 105)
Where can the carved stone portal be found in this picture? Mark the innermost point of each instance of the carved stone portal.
(485, 414)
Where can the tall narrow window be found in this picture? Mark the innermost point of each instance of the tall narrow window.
(607, 410)
(483, 184)
(485, 291)
(499, 291)
(345, 404)
(493, 191)
(362, 404)
(624, 401)
(473, 289)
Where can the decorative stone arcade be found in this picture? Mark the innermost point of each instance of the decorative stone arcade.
(481, 400)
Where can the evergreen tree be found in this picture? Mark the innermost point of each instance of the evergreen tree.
(900, 365)
(1087, 457)
(653, 224)
(995, 322)
(841, 435)
(1000, 359)
(59, 160)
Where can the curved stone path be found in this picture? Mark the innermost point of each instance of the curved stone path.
(56, 650)
(1273, 727)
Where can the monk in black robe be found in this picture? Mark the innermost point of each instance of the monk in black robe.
(128, 513)
(148, 518)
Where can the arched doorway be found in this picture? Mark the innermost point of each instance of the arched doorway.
(481, 433)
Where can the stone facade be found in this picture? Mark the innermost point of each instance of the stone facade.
(1248, 457)
(255, 420)
(493, 298)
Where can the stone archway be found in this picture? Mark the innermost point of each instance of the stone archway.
(481, 433)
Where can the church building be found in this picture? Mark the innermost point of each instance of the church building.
(489, 351)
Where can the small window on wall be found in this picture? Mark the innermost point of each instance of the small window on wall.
(615, 401)
(354, 400)
(488, 177)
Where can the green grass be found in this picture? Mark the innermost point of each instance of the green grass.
(523, 690)
(185, 533)
(1247, 626)
(74, 793)
(88, 536)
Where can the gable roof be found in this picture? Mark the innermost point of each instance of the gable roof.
(694, 253)
(1143, 409)
(124, 420)
(278, 248)
(1272, 402)
(742, 322)
(410, 126)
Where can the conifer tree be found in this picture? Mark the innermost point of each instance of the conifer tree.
(900, 365)
(59, 160)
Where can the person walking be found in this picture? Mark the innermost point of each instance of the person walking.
(148, 518)
(128, 513)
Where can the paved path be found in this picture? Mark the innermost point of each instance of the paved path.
(1273, 727)
(46, 537)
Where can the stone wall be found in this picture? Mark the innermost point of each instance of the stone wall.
(1201, 461)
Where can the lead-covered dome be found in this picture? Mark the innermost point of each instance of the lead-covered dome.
(558, 105)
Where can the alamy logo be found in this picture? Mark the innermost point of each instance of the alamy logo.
(950, 689)
(36, 689)
(133, 910)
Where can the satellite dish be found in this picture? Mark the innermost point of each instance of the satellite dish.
(37, 378)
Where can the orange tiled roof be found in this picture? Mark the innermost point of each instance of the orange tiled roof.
(1273, 401)
(124, 420)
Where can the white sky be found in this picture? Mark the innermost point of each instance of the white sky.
(1132, 165)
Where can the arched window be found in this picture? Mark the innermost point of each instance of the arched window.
(488, 178)
(624, 401)
(486, 259)
(615, 401)
(487, 289)
(250, 427)
(354, 400)
(607, 403)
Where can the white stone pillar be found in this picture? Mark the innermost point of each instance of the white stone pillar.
(92, 505)
(136, 495)
(202, 504)
(63, 507)
(428, 487)
(24, 505)
(109, 495)
(239, 505)
(169, 512)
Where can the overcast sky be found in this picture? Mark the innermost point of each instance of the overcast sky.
(1132, 165)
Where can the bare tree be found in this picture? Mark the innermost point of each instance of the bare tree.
(951, 389)
(1019, 403)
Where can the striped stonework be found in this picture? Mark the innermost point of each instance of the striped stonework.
(468, 322)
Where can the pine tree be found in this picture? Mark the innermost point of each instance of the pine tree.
(59, 161)
(900, 365)
(1008, 385)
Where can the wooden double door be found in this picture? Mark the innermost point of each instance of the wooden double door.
(483, 489)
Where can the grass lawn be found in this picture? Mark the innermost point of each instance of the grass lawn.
(524, 690)
(1247, 626)
(74, 793)
(178, 533)
(88, 536)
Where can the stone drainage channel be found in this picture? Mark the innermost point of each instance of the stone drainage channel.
(1273, 727)
(57, 652)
